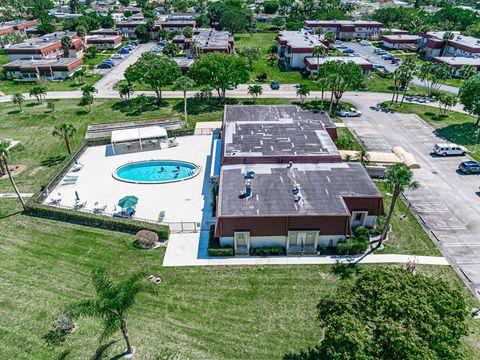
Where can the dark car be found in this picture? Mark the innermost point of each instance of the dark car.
(469, 167)
(348, 51)
(105, 66)
(275, 85)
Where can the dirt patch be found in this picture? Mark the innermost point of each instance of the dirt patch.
(17, 169)
(36, 170)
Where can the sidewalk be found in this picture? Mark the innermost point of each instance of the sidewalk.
(190, 249)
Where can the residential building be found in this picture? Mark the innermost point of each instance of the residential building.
(458, 62)
(294, 46)
(45, 47)
(207, 40)
(400, 41)
(433, 45)
(11, 27)
(128, 27)
(312, 63)
(105, 32)
(105, 41)
(176, 22)
(283, 183)
(51, 69)
(183, 63)
(347, 30)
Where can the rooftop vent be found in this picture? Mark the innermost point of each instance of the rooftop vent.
(297, 194)
(248, 190)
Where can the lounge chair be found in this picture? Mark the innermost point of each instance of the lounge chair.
(98, 207)
(77, 167)
(70, 181)
(161, 216)
(71, 176)
(79, 205)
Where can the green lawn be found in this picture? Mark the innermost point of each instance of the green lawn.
(237, 312)
(375, 83)
(457, 127)
(11, 87)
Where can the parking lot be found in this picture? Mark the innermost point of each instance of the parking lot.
(367, 52)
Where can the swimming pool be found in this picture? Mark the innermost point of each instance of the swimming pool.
(156, 171)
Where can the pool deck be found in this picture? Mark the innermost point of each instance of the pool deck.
(182, 201)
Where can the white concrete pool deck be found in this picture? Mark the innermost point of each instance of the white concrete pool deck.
(182, 201)
(190, 249)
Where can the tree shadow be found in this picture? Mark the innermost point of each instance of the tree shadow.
(139, 105)
(33, 104)
(6, 216)
(63, 355)
(196, 106)
(53, 160)
(100, 352)
(345, 271)
(310, 354)
(462, 134)
(82, 112)
(13, 112)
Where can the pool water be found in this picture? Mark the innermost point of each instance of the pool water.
(156, 172)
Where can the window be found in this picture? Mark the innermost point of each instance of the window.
(358, 217)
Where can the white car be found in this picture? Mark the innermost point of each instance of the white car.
(365, 43)
(449, 149)
(118, 57)
(350, 113)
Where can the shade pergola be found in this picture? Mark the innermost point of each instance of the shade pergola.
(138, 134)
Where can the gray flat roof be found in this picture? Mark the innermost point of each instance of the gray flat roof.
(211, 38)
(401, 37)
(42, 41)
(322, 188)
(300, 39)
(458, 39)
(458, 60)
(322, 60)
(269, 130)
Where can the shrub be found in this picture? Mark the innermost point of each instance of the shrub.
(99, 221)
(321, 249)
(352, 246)
(268, 251)
(375, 231)
(146, 239)
(214, 248)
(362, 233)
(262, 77)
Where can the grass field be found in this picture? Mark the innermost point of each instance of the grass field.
(456, 127)
(257, 312)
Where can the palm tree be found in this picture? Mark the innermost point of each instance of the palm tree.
(255, 91)
(303, 91)
(67, 44)
(467, 71)
(399, 178)
(86, 100)
(18, 99)
(318, 51)
(111, 304)
(65, 131)
(184, 83)
(330, 37)
(39, 92)
(125, 91)
(364, 157)
(4, 152)
(89, 90)
(409, 67)
(448, 35)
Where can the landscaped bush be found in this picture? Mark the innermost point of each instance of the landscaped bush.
(375, 231)
(362, 233)
(180, 132)
(268, 251)
(146, 239)
(99, 221)
(321, 249)
(352, 246)
(214, 248)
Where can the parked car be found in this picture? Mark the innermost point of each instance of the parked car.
(274, 85)
(162, 43)
(123, 51)
(469, 167)
(354, 55)
(350, 113)
(396, 60)
(365, 43)
(337, 42)
(449, 149)
(104, 65)
(341, 46)
(381, 52)
(348, 51)
(388, 57)
(118, 57)
(378, 66)
(157, 49)
(109, 61)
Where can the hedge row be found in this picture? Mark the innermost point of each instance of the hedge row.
(180, 132)
(99, 221)
(268, 251)
(214, 248)
(352, 246)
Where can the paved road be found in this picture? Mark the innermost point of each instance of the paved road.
(106, 83)
(447, 203)
(367, 52)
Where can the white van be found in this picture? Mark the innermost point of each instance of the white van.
(449, 149)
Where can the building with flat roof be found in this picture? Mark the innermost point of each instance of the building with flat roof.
(16, 26)
(400, 41)
(45, 47)
(277, 134)
(51, 69)
(283, 183)
(458, 61)
(104, 41)
(294, 46)
(206, 40)
(347, 30)
(105, 32)
(312, 63)
(128, 27)
(433, 45)
(176, 22)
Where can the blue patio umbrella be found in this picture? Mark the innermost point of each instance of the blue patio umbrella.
(128, 201)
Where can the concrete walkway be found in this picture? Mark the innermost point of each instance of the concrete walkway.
(190, 249)
(13, 195)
